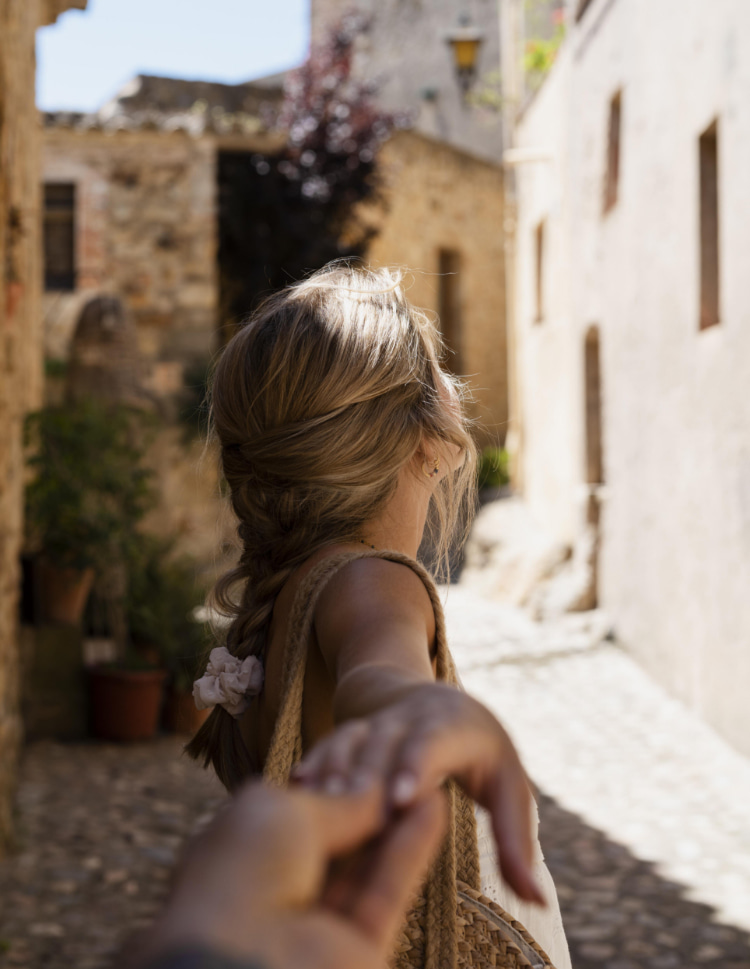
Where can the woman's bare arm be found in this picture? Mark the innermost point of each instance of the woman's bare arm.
(376, 629)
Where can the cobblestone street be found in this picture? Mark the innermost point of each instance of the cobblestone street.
(644, 811)
(99, 830)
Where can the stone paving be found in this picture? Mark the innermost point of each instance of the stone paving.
(648, 835)
(644, 814)
(100, 827)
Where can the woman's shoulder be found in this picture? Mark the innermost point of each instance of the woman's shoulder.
(375, 589)
(364, 589)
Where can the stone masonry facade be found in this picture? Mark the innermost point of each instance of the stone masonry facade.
(441, 200)
(20, 336)
(145, 232)
(142, 184)
(405, 47)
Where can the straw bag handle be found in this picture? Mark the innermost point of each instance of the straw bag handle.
(432, 939)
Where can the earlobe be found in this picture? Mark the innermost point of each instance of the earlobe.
(431, 467)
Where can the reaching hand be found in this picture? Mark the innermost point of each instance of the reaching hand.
(298, 880)
(434, 732)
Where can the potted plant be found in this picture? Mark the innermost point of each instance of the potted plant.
(126, 700)
(87, 492)
(163, 593)
(126, 693)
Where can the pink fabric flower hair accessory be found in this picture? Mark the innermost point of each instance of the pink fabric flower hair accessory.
(228, 682)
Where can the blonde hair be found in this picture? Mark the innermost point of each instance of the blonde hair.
(318, 402)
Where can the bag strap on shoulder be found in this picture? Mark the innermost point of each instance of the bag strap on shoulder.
(459, 855)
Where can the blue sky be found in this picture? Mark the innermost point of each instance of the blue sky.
(87, 56)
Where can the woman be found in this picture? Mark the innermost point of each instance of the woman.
(341, 439)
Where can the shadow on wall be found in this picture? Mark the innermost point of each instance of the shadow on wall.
(619, 913)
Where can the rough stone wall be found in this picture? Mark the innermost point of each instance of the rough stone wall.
(146, 232)
(19, 380)
(675, 553)
(441, 198)
(20, 337)
(191, 509)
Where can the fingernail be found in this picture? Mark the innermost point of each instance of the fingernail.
(335, 785)
(404, 788)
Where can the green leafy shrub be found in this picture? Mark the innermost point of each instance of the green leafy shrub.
(89, 488)
(163, 592)
(493, 468)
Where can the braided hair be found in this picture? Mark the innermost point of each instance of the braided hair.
(318, 402)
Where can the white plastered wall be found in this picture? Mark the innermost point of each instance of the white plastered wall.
(675, 560)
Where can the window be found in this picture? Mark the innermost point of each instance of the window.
(449, 304)
(539, 233)
(59, 237)
(593, 402)
(581, 8)
(708, 152)
(612, 178)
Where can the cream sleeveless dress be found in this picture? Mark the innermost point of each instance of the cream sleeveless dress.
(458, 857)
(545, 924)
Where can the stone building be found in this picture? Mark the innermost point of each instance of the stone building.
(443, 219)
(447, 207)
(633, 329)
(132, 210)
(21, 340)
(406, 47)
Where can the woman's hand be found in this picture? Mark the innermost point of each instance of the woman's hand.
(432, 732)
(375, 627)
(298, 880)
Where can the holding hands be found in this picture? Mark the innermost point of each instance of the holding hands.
(295, 879)
(435, 731)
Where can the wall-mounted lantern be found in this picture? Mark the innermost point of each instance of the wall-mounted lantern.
(465, 41)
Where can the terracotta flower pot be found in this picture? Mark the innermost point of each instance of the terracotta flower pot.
(125, 704)
(63, 593)
(181, 715)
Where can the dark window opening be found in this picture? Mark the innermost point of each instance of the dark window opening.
(708, 150)
(593, 403)
(612, 178)
(271, 234)
(59, 237)
(539, 244)
(449, 305)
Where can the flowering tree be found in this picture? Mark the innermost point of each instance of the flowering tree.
(285, 214)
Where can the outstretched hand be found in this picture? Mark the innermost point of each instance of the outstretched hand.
(299, 879)
(434, 732)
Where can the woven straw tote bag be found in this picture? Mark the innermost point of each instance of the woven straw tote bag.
(451, 924)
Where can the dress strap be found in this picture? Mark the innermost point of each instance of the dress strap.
(285, 748)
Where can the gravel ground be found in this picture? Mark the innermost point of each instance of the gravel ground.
(644, 812)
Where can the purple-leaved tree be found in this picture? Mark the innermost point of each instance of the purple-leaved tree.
(286, 214)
